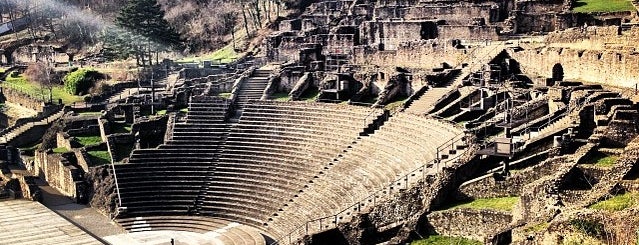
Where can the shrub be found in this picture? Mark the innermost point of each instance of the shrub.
(79, 82)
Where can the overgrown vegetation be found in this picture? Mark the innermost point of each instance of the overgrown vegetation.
(617, 203)
(589, 227)
(498, 203)
(99, 157)
(80, 81)
(590, 6)
(445, 240)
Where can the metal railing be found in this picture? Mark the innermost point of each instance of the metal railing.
(404, 182)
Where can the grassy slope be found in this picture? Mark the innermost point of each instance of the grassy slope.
(20, 83)
(589, 6)
(617, 203)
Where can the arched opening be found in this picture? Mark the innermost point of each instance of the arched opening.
(558, 72)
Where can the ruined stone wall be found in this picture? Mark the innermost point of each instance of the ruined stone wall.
(512, 186)
(423, 54)
(22, 99)
(467, 32)
(616, 68)
(52, 168)
(480, 225)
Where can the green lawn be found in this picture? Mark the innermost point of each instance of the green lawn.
(21, 84)
(185, 110)
(225, 95)
(445, 240)
(499, 203)
(589, 6)
(617, 203)
(89, 140)
(160, 112)
(60, 150)
(224, 55)
(120, 128)
(99, 158)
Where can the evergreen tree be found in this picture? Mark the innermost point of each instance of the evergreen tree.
(144, 32)
(146, 18)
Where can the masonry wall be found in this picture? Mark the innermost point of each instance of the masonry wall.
(617, 68)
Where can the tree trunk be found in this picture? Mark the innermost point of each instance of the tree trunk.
(248, 33)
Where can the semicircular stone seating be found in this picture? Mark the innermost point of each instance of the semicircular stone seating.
(217, 231)
(273, 153)
(404, 143)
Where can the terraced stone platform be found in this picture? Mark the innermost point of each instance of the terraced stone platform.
(27, 222)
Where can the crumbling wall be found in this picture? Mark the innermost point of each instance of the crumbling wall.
(477, 224)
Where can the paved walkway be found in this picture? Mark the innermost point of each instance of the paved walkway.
(87, 218)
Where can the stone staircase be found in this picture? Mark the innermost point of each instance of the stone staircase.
(11, 134)
(253, 88)
(425, 103)
(550, 129)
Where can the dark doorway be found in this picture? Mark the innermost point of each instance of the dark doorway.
(428, 30)
(558, 72)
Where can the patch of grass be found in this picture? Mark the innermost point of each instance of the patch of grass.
(280, 97)
(30, 150)
(445, 240)
(185, 110)
(396, 104)
(120, 128)
(36, 91)
(617, 203)
(601, 159)
(311, 94)
(499, 203)
(225, 95)
(537, 227)
(98, 158)
(160, 112)
(590, 6)
(90, 113)
(89, 140)
(60, 150)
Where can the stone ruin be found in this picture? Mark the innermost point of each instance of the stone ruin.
(487, 111)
